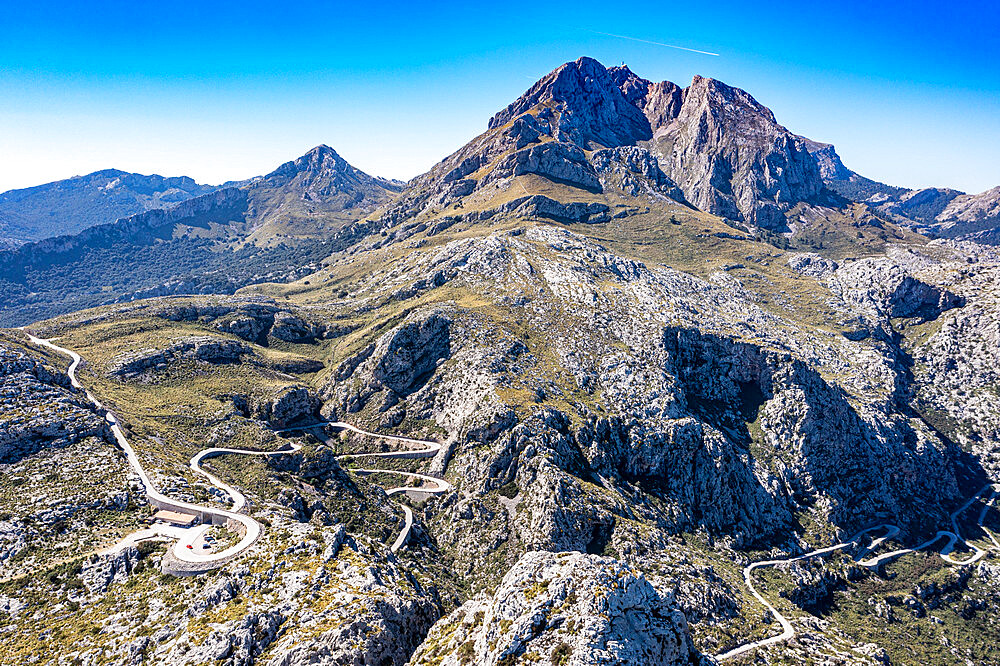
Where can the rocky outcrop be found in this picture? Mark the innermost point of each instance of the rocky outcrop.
(563, 608)
(812, 264)
(40, 408)
(585, 105)
(560, 162)
(286, 406)
(396, 365)
(195, 348)
(731, 158)
(99, 572)
(252, 320)
(827, 159)
(660, 102)
(636, 172)
(882, 288)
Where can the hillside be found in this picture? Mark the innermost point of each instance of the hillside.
(72, 205)
(619, 381)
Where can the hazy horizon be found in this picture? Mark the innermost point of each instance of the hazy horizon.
(230, 92)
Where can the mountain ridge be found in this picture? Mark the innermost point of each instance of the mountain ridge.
(73, 204)
(273, 227)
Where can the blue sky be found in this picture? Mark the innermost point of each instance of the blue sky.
(908, 92)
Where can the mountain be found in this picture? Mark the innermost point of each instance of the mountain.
(709, 145)
(934, 211)
(973, 216)
(726, 151)
(273, 227)
(554, 409)
(72, 205)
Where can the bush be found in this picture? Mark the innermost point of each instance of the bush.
(561, 654)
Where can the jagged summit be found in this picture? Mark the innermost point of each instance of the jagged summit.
(321, 161)
(710, 145)
(321, 176)
(591, 109)
(659, 102)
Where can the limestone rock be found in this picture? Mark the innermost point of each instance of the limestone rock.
(196, 348)
(288, 405)
(567, 608)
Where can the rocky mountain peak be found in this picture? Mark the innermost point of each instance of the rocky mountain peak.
(659, 102)
(730, 156)
(590, 108)
(734, 104)
(320, 160)
(322, 173)
(830, 165)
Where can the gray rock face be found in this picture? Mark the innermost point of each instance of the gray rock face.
(636, 171)
(101, 571)
(397, 363)
(385, 630)
(736, 422)
(40, 409)
(557, 161)
(955, 370)
(237, 642)
(883, 288)
(288, 405)
(589, 108)
(812, 264)
(830, 166)
(290, 328)
(411, 351)
(252, 321)
(660, 102)
(563, 608)
(731, 157)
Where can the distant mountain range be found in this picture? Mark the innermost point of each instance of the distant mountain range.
(933, 211)
(581, 129)
(271, 228)
(72, 205)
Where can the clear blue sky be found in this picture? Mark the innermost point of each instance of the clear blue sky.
(909, 92)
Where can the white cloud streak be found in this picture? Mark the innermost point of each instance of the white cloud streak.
(646, 41)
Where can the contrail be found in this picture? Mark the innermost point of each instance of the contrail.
(646, 41)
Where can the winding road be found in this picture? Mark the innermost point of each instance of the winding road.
(953, 536)
(250, 530)
(429, 450)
